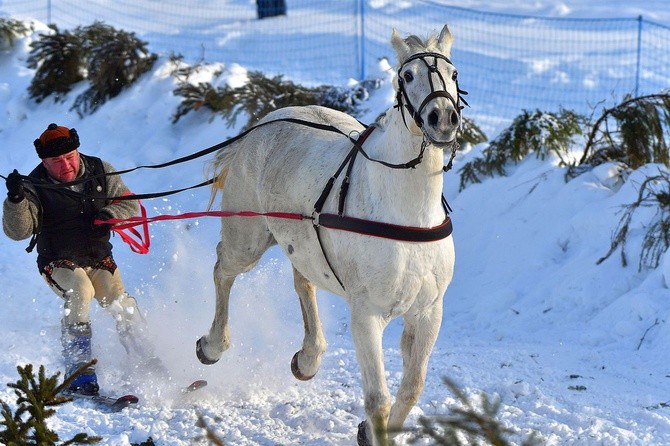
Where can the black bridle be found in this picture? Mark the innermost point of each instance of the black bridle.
(401, 95)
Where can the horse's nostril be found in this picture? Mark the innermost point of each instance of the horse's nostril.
(433, 118)
(454, 118)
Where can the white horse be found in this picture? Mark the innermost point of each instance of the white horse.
(400, 267)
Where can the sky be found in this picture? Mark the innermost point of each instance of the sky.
(576, 351)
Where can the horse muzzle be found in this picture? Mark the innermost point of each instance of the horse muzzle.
(439, 118)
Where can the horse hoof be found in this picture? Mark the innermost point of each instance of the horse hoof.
(362, 437)
(296, 371)
(201, 354)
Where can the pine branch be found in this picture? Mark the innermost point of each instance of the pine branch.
(663, 97)
(36, 398)
(466, 424)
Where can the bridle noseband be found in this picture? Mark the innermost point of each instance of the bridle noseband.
(401, 95)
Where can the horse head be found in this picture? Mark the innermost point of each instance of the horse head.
(427, 86)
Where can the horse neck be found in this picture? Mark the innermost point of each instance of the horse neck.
(410, 196)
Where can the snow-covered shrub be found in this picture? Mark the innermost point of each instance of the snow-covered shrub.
(538, 132)
(635, 132)
(654, 193)
(59, 61)
(115, 60)
(260, 95)
(10, 30)
(111, 60)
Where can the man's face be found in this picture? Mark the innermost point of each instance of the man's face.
(64, 167)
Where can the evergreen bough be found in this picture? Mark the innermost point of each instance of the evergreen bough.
(35, 402)
(111, 60)
(59, 61)
(115, 60)
(470, 133)
(10, 30)
(654, 192)
(466, 424)
(635, 132)
(538, 132)
(260, 95)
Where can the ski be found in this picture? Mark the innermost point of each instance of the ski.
(113, 403)
(195, 385)
(116, 404)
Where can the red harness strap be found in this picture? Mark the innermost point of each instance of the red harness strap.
(140, 242)
(132, 237)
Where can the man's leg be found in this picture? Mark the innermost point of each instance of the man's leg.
(130, 325)
(72, 284)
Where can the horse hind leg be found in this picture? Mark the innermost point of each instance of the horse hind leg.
(306, 362)
(416, 343)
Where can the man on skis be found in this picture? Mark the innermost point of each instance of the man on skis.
(74, 255)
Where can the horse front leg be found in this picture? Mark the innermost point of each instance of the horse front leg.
(417, 342)
(306, 362)
(367, 331)
(209, 348)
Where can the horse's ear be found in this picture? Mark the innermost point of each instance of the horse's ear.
(401, 47)
(445, 41)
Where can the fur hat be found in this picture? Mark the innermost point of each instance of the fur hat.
(55, 141)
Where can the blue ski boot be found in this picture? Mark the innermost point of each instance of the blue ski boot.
(76, 340)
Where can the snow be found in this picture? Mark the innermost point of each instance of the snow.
(576, 351)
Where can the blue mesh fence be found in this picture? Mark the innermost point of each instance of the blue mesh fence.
(508, 63)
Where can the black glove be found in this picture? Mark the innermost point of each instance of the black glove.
(14, 184)
(103, 216)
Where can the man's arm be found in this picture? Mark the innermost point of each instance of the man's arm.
(115, 188)
(19, 220)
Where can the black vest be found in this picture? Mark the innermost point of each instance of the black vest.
(66, 229)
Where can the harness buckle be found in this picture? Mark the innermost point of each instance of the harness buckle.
(315, 218)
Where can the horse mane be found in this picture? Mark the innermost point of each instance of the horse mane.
(416, 43)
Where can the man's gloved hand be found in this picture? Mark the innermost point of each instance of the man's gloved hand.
(102, 216)
(14, 184)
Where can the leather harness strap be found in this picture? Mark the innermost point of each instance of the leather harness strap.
(386, 230)
(368, 227)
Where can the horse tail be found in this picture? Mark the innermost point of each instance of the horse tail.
(217, 169)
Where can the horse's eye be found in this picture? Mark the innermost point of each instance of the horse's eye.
(409, 77)
(454, 76)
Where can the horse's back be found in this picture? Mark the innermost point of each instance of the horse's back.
(288, 142)
(314, 114)
(307, 131)
(294, 159)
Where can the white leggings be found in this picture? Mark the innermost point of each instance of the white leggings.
(78, 286)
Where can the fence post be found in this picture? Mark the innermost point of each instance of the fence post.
(270, 8)
(639, 55)
(361, 40)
